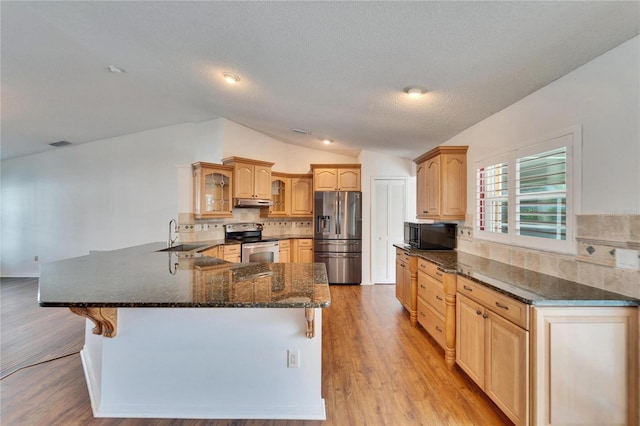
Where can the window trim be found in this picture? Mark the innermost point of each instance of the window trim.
(549, 142)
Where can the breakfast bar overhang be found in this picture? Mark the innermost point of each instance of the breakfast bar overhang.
(179, 335)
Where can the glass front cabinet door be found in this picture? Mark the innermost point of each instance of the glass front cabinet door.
(212, 190)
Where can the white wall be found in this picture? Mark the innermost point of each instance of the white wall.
(96, 196)
(603, 96)
(240, 141)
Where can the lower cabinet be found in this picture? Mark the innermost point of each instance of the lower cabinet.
(554, 365)
(437, 306)
(585, 366)
(406, 283)
(231, 253)
(492, 350)
(302, 250)
(285, 251)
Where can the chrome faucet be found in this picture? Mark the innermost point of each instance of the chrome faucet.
(175, 229)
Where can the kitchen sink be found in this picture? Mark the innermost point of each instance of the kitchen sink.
(184, 247)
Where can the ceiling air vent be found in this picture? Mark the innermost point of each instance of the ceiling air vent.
(60, 143)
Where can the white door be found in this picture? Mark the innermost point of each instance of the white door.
(387, 221)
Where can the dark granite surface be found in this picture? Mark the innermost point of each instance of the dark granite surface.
(142, 277)
(528, 286)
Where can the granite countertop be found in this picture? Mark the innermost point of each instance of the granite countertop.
(143, 277)
(531, 287)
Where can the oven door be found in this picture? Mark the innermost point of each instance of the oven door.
(262, 252)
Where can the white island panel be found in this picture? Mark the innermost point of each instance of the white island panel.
(206, 363)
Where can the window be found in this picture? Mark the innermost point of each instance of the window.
(492, 207)
(541, 197)
(525, 197)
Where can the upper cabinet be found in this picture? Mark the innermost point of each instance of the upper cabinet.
(302, 196)
(280, 196)
(212, 190)
(441, 183)
(252, 178)
(336, 177)
(292, 196)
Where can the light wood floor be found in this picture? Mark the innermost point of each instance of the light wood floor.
(377, 369)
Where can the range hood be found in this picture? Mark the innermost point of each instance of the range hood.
(252, 202)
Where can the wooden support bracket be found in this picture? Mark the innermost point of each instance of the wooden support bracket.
(105, 319)
(310, 314)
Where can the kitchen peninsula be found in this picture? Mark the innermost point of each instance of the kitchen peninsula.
(165, 337)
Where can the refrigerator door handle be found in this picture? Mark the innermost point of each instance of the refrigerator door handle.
(338, 224)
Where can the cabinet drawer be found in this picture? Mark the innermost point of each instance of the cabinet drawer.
(431, 291)
(430, 268)
(285, 244)
(508, 308)
(305, 243)
(432, 321)
(402, 255)
(231, 249)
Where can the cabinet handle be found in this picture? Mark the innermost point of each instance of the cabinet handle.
(485, 316)
(438, 329)
(501, 306)
(422, 313)
(467, 288)
(439, 274)
(439, 298)
(478, 312)
(421, 286)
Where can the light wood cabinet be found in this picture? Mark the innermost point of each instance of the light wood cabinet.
(585, 365)
(212, 190)
(212, 252)
(336, 177)
(252, 178)
(301, 196)
(285, 251)
(231, 253)
(441, 183)
(302, 250)
(492, 350)
(292, 196)
(280, 196)
(437, 306)
(406, 283)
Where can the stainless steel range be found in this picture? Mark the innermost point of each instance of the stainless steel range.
(254, 247)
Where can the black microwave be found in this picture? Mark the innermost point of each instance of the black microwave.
(430, 236)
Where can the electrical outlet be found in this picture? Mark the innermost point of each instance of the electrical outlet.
(293, 358)
(627, 259)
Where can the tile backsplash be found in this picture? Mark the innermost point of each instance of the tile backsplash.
(594, 264)
(194, 230)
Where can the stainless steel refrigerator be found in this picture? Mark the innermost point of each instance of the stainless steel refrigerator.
(338, 235)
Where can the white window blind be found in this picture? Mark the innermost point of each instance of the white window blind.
(492, 208)
(541, 195)
(530, 196)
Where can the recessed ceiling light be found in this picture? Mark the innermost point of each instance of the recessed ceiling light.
(230, 77)
(301, 131)
(327, 141)
(115, 70)
(414, 91)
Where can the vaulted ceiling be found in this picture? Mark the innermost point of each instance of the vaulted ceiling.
(336, 69)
